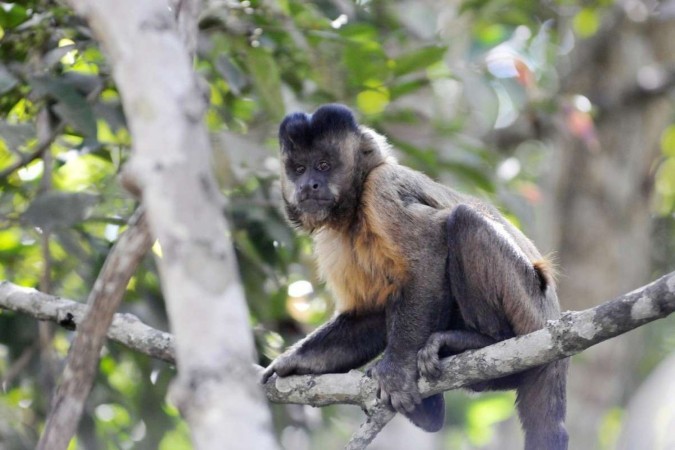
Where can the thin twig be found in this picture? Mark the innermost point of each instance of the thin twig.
(17, 367)
(377, 420)
(104, 299)
(48, 358)
(44, 144)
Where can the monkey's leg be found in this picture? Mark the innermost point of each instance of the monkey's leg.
(348, 341)
(500, 294)
(411, 318)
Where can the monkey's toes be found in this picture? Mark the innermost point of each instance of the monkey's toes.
(404, 402)
(428, 363)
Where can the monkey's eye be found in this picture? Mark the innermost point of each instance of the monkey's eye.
(299, 170)
(323, 166)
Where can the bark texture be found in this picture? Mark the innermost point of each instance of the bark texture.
(216, 389)
(82, 365)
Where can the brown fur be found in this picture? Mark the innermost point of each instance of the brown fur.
(361, 264)
(547, 270)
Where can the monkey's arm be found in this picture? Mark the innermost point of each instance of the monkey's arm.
(348, 341)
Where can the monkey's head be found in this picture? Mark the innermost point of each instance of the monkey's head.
(325, 158)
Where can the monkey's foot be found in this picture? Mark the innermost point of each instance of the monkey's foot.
(428, 361)
(397, 385)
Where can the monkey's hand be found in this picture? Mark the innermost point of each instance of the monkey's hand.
(428, 361)
(289, 363)
(397, 384)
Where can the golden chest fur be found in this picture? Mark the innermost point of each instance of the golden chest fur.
(362, 266)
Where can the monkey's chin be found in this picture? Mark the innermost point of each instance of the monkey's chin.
(315, 206)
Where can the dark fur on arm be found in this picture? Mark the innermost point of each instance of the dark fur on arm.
(348, 341)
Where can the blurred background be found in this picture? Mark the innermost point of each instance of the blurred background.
(560, 112)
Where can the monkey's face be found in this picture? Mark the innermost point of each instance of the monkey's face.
(316, 179)
(310, 186)
(318, 156)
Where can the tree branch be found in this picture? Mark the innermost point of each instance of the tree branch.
(377, 419)
(125, 329)
(571, 334)
(104, 299)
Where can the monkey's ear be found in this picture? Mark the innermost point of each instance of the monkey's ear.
(294, 130)
(373, 143)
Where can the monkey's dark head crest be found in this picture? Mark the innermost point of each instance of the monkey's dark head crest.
(299, 130)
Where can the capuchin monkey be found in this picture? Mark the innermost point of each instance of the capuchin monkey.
(418, 272)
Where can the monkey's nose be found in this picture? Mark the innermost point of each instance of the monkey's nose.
(307, 190)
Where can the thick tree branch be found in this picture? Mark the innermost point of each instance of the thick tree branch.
(104, 299)
(573, 333)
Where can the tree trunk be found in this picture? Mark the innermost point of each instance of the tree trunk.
(601, 200)
(217, 389)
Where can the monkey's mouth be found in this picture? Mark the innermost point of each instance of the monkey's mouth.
(315, 205)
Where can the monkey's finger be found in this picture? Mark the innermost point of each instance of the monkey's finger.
(402, 403)
(410, 401)
(269, 371)
(384, 397)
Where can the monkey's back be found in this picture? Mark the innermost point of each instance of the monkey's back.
(400, 227)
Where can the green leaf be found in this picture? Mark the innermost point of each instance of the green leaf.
(59, 209)
(12, 15)
(473, 175)
(72, 106)
(373, 101)
(407, 87)
(359, 32)
(586, 22)
(265, 74)
(668, 141)
(418, 59)
(484, 413)
(16, 135)
(236, 80)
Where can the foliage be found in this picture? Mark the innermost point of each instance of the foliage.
(63, 141)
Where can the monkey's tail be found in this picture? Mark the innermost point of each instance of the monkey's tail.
(547, 270)
(430, 414)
